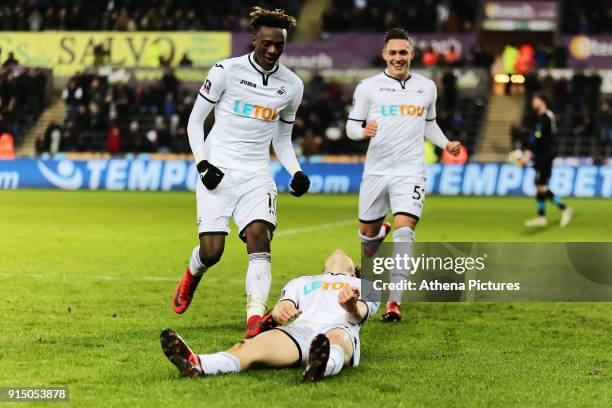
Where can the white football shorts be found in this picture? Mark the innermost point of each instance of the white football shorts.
(378, 194)
(302, 334)
(244, 196)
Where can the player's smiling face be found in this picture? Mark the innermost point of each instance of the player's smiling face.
(269, 43)
(398, 53)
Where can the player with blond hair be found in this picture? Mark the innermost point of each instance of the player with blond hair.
(319, 318)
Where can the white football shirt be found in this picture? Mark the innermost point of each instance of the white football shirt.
(250, 102)
(317, 297)
(401, 109)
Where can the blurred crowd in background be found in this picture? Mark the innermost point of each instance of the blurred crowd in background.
(583, 115)
(151, 116)
(22, 99)
(131, 15)
(121, 117)
(586, 16)
(136, 117)
(451, 16)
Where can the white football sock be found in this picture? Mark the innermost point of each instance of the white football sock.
(196, 267)
(377, 238)
(258, 280)
(219, 363)
(405, 237)
(336, 360)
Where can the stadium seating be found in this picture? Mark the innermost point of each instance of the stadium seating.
(151, 15)
(586, 17)
(577, 105)
(379, 15)
(24, 92)
(149, 116)
(152, 117)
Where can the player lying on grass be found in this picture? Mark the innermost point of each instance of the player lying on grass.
(318, 319)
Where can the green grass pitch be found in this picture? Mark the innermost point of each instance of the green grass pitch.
(86, 280)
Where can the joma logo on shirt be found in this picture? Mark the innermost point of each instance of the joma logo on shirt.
(248, 83)
(255, 111)
(311, 287)
(402, 110)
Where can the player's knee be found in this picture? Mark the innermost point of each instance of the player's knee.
(405, 221)
(258, 236)
(370, 230)
(338, 337)
(210, 254)
(235, 347)
(342, 340)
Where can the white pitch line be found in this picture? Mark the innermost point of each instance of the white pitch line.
(313, 228)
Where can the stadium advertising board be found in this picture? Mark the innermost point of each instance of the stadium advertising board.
(69, 51)
(478, 179)
(520, 16)
(351, 50)
(588, 51)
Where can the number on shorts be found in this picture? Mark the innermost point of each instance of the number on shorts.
(272, 203)
(418, 190)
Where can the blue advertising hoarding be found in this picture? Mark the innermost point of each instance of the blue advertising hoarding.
(480, 179)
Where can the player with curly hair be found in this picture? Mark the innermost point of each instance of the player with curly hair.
(255, 99)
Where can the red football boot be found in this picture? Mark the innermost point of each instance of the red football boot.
(253, 327)
(392, 313)
(257, 325)
(370, 248)
(179, 353)
(184, 292)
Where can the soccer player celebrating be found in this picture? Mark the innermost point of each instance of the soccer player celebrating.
(320, 318)
(396, 110)
(255, 99)
(541, 144)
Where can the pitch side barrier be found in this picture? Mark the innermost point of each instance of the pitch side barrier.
(479, 179)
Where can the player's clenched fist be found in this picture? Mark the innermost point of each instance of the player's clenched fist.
(370, 129)
(210, 175)
(348, 297)
(453, 148)
(284, 312)
(300, 183)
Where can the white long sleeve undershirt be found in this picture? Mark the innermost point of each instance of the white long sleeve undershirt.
(354, 129)
(434, 134)
(284, 148)
(195, 127)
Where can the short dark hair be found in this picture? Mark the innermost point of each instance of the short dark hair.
(270, 18)
(397, 33)
(543, 97)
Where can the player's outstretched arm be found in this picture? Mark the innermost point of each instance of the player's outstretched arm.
(285, 311)
(356, 310)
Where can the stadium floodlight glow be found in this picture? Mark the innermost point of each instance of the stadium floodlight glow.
(517, 79)
(502, 78)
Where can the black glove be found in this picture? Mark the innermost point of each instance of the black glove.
(210, 175)
(299, 184)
